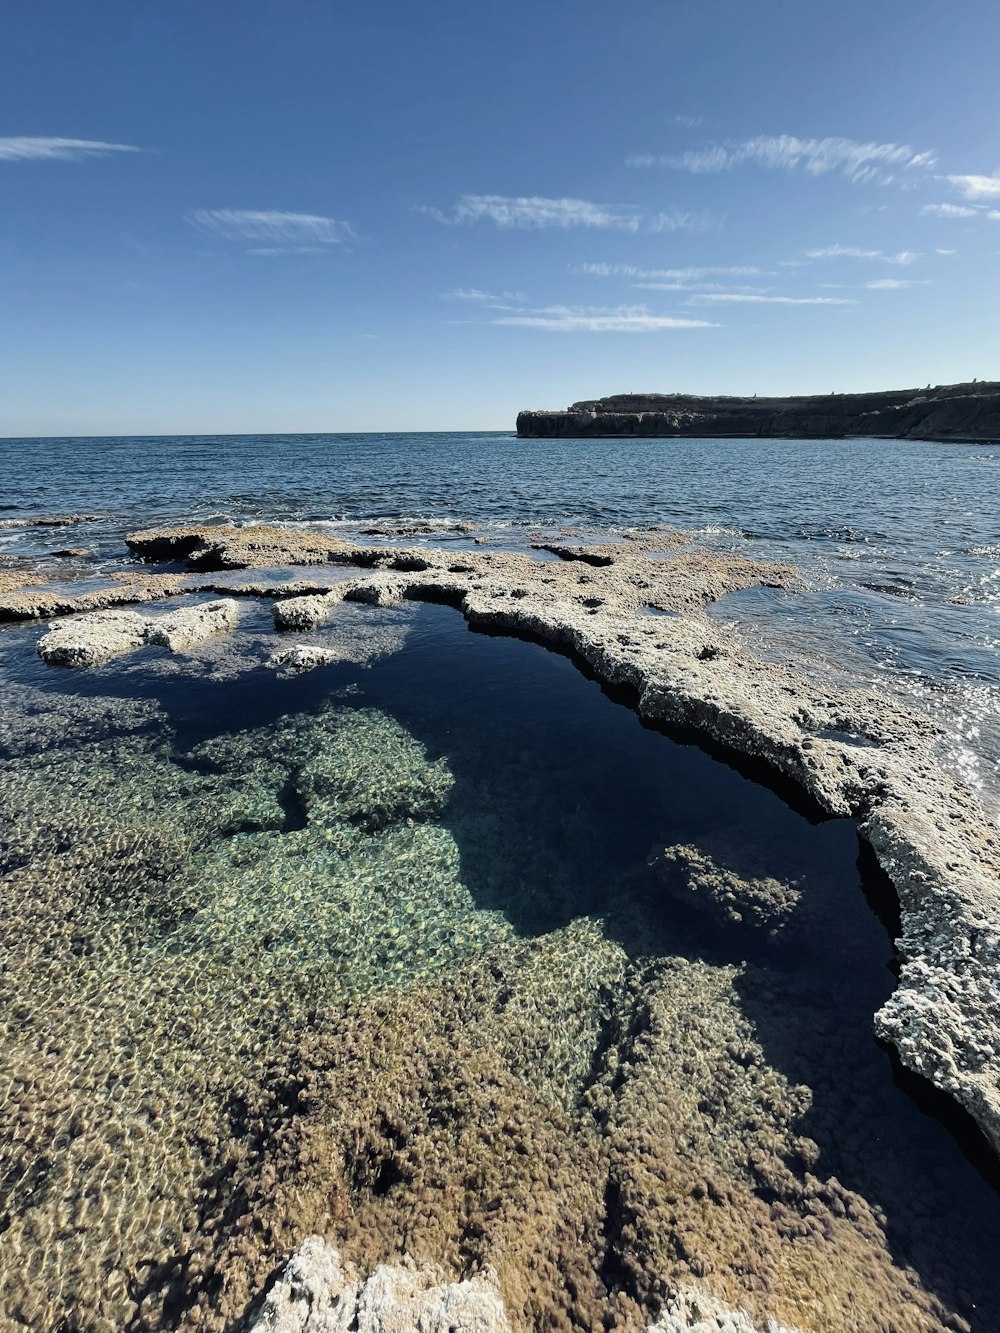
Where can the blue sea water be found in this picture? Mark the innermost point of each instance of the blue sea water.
(899, 540)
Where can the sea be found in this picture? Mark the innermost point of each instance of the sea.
(899, 541)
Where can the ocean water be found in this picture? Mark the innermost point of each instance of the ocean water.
(899, 540)
(437, 949)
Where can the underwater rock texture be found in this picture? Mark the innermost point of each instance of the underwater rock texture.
(316, 1295)
(854, 753)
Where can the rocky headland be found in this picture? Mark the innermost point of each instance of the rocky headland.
(959, 412)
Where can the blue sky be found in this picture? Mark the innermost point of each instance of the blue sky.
(250, 216)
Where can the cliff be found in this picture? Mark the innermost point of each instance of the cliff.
(961, 412)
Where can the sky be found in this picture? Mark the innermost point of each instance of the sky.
(342, 215)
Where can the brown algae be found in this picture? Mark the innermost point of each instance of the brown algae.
(387, 954)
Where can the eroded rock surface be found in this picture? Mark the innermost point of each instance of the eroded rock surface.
(183, 629)
(855, 753)
(88, 640)
(92, 639)
(316, 1294)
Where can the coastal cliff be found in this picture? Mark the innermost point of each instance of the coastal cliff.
(960, 412)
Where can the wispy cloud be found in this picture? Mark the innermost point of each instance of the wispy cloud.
(949, 211)
(977, 187)
(599, 319)
(857, 161)
(856, 252)
(535, 212)
(688, 122)
(281, 233)
(692, 286)
(483, 298)
(894, 284)
(962, 211)
(64, 150)
(690, 274)
(751, 298)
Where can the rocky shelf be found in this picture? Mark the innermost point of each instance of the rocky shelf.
(958, 412)
(855, 754)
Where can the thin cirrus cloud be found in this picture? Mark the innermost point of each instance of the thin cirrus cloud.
(35, 149)
(857, 252)
(754, 298)
(786, 152)
(894, 284)
(476, 294)
(599, 319)
(534, 212)
(690, 274)
(276, 232)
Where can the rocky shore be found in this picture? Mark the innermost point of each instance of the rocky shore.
(672, 1186)
(959, 412)
(853, 754)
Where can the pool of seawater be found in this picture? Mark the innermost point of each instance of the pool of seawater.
(207, 865)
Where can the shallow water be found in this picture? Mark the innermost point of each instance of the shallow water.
(393, 950)
(888, 532)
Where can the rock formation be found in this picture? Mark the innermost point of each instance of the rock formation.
(969, 412)
(318, 1293)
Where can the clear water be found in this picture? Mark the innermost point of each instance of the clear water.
(209, 870)
(889, 533)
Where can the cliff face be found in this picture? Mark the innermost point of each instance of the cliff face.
(969, 412)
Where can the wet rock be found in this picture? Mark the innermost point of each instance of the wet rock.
(181, 630)
(317, 1294)
(72, 553)
(303, 657)
(302, 613)
(50, 521)
(92, 639)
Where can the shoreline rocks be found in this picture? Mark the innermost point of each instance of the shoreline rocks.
(853, 753)
(100, 636)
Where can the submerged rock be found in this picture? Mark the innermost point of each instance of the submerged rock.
(726, 883)
(303, 657)
(317, 1294)
(697, 1312)
(92, 639)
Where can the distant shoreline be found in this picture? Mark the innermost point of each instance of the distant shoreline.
(955, 413)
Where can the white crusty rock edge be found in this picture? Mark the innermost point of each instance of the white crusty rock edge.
(88, 640)
(318, 1293)
(855, 752)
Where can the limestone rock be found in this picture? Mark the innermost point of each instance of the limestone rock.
(181, 630)
(318, 1294)
(303, 657)
(697, 1312)
(92, 639)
